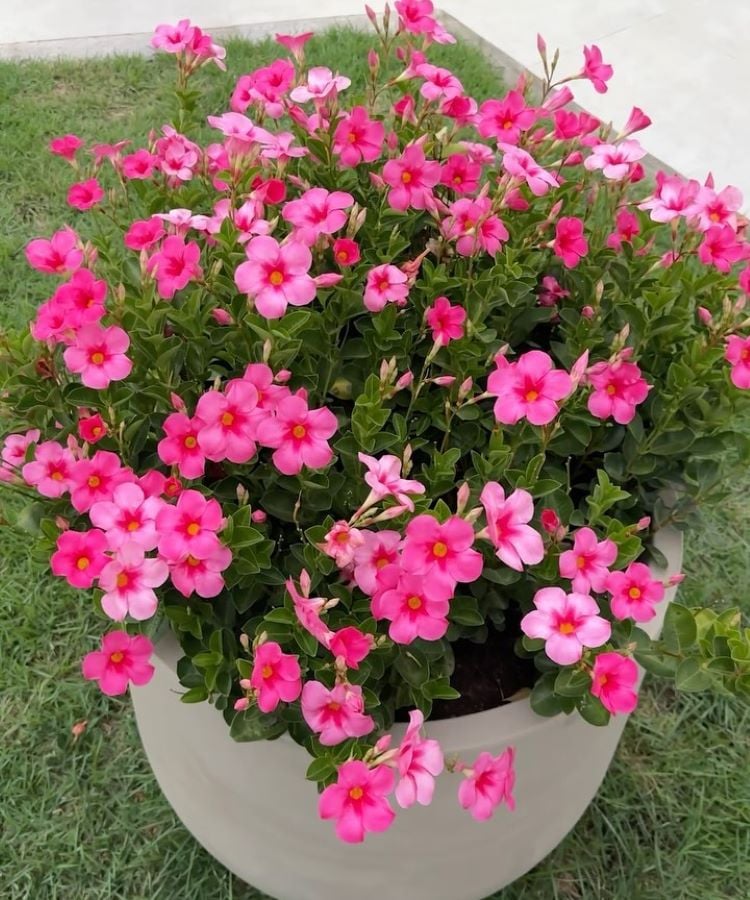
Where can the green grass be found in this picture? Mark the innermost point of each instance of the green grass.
(84, 820)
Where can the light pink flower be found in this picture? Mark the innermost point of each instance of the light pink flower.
(96, 478)
(419, 761)
(276, 275)
(415, 16)
(294, 43)
(377, 550)
(506, 119)
(340, 543)
(439, 83)
(66, 146)
(85, 194)
(128, 582)
(384, 479)
(618, 388)
(569, 125)
(80, 557)
(614, 159)
(351, 645)
(587, 564)
(551, 291)
(415, 605)
(385, 284)
(570, 245)
(515, 541)
(15, 446)
(712, 208)
(473, 226)
(634, 593)
(201, 576)
(441, 552)
(488, 783)
(308, 609)
(129, 517)
(614, 681)
(179, 157)
(320, 85)
(358, 801)
(98, 355)
(358, 138)
(637, 121)
(568, 623)
(50, 470)
(674, 196)
(276, 676)
(411, 179)
(229, 422)
(445, 320)
(521, 164)
(173, 38)
(299, 435)
(737, 354)
(122, 659)
(190, 527)
(180, 447)
(595, 69)
(529, 388)
(61, 253)
(317, 212)
(335, 714)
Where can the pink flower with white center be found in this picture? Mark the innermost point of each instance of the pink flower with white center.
(377, 550)
(470, 222)
(530, 388)
(614, 680)
(439, 84)
(299, 435)
(441, 552)
(358, 801)
(144, 234)
(627, 227)
(415, 605)
(66, 146)
(614, 159)
(587, 564)
(80, 557)
(50, 470)
(358, 138)
(570, 245)
(350, 645)
(98, 355)
(488, 783)
(551, 291)
(341, 542)
(320, 85)
(96, 478)
(568, 623)
(174, 265)
(445, 320)
(61, 253)
(173, 38)
(85, 194)
(276, 676)
(618, 388)
(419, 761)
(128, 582)
(276, 275)
(308, 609)
(122, 659)
(346, 252)
(506, 119)
(189, 527)
(383, 477)
(385, 284)
(178, 156)
(230, 420)
(522, 165)
(128, 518)
(721, 248)
(515, 541)
(634, 593)
(461, 174)
(595, 69)
(335, 714)
(203, 577)
(180, 447)
(712, 208)
(317, 212)
(411, 179)
(14, 447)
(674, 196)
(737, 354)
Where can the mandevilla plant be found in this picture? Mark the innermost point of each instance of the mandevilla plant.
(373, 381)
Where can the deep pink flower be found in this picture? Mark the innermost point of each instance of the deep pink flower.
(178, 156)
(320, 85)
(385, 284)
(180, 447)
(587, 564)
(128, 582)
(463, 110)
(351, 645)
(189, 527)
(139, 165)
(82, 299)
(551, 291)
(415, 605)
(461, 174)
(358, 138)
(358, 801)
(674, 196)
(66, 146)
(473, 226)
(80, 557)
(335, 714)
(96, 478)
(614, 681)
(50, 470)
(637, 121)
(85, 194)
(340, 543)
(144, 233)
(299, 435)
(411, 179)
(174, 265)
(383, 477)
(129, 517)
(569, 125)
(634, 593)
(441, 552)
(737, 354)
(721, 248)
(521, 164)
(445, 320)
(98, 355)
(92, 429)
(614, 159)
(276, 676)
(122, 659)
(439, 83)
(529, 388)
(294, 43)
(415, 16)
(712, 208)
(568, 623)
(488, 783)
(570, 245)
(201, 576)
(377, 550)
(317, 212)
(627, 227)
(618, 388)
(515, 541)
(346, 252)
(595, 69)
(419, 761)
(229, 422)
(276, 275)
(505, 119)
(61, 253)
(266, 86)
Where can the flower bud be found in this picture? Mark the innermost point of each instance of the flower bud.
(258, 516)
(462, 498)
(246, 684)
(704, 315)
(550, 521)
(242, 704)
(465, 388)
(373, 61)
(405, 380)
(282, 376)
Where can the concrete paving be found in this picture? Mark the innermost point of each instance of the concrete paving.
(683, 61)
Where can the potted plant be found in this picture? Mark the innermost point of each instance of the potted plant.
(369, 423)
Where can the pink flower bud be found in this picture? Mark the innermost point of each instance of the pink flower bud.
(376, 181)
(444, 380)
(550, 520)
(242, 704)
(177, 403)
(675, 579)
(370, 12)
(391, 140)
(328, 279)
(704, 315)
(61, 523)
(643, 524)
(541, 46)
(383, 743)
(637, 173)
(558, 99)
(282, 376)
(404, 381)
(172, 487)
(78, 728)
(246, 684)
(222, 317)
(637, 121)
(258, 516)
(465, 388)
(573, 159)
(587, 312)
(462, 498)
(579, 368)
(373, 61)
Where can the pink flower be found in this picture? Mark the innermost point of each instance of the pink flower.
(96, 478)
(50, 470)
(346, 252)
(627, 226)
(189, 527)
(673, 197)
(385, 284)
(321, 84)
(276, 275)
(85, 194)
(488, 783)
(129, 517)
(92, 428)
(178, 156)
(122, 659)
(446, 321)
(144, 233)
(174, 265)
(551, 291)
(294, 43)
(229, 422)
(439, 84)
(173, 38)
(415, 16)
(529, 388)
(637, 121)
(569, 125)
(384, 479)
(308, 609)
(737, 355)
(351, 645)
(411, 179)
(358, 138)
(634, 593)
(14, 449)
(568, 623)
(471, 222)
(415, 605)
(595, 69)
(720, 248)
(180, 447)
(461, 174)
(341, 542)
(418, 761)
(299, 435)
(515, 541)
(441, 552)
(128, 582)
(521, 164)
(335, 714)
(587, 563)
(82, 299)
(505, 119)
(201, 576)
(570, 245)
(66, 146)
(377, 550)
(80, 557)
(61, 253)
(614, 159)
(618, 388)
(358, 800)
(614, 680)
(714, 208)
(317, 212)
(98, 355)
(276, 676)
(139, 165)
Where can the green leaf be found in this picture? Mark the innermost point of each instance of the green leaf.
(194, 695)
(692, 677)
(440, 689)
(592, 710)
(572, 682)
(543, 700)
(321, 769)
(253, 725)
(679, 631)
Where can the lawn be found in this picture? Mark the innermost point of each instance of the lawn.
(83, 819)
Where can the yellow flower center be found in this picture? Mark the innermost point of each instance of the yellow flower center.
(406, 177)
(193, 529)
(94, 481)
(117, 656)
(190, 442)
(227, 419)
(134, 525)
(83, 563)
(581, 562)
(381, 561)
(611, 389)
(342, 537)
(414, 602)
(266, 671)
(602, 679)
(333, 706)
(276, 278)
(714, 216)
(531, 396)
(439, 549)
(192, 561)
(566, 628)
(356, 793)
(122, 580)
(634, 593)
(299, 431)
(341, 256)
(96, 431)
(56, 475)
(351, 137)
(97, 358)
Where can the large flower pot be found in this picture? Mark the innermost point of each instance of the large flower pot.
(251, 807)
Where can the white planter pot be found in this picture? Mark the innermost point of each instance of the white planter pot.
(251, 807)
